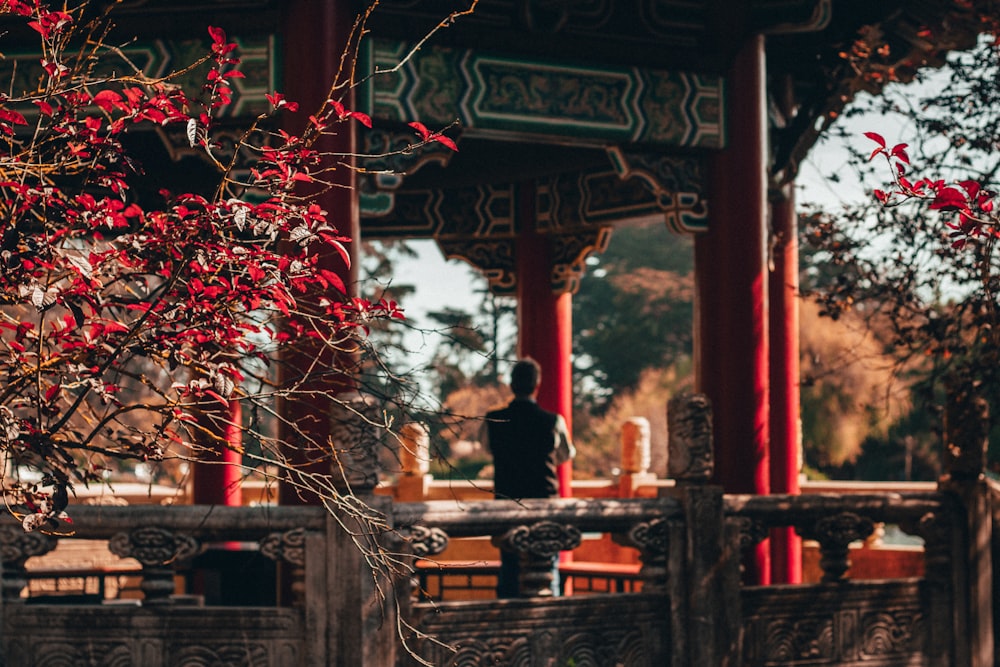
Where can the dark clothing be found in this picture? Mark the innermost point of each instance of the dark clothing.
(528, 445)
(524, 440)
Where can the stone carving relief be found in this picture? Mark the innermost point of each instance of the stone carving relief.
(629, 632)
(814, 627)
(355, 438)
(835, 534)
(545, 539)
(289, 547)
(427, 541)
(691, 457)
(153, 546)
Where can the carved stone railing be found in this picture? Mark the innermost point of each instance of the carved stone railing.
(539, 529)
(878, 622)
(837, 521)
(162, 539)
(331, 607)
(598, 629)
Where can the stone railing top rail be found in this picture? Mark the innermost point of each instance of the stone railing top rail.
(779, 510)
(465, 519)
(210, 523)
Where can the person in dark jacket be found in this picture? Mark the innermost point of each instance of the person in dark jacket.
(528, 444)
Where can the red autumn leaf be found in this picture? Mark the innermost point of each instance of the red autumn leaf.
(949, 199)
(334, 279)
(899, 152)
(421, 130)
(107, 99)
(217, 34)
(445, 141)
(362, 118)
(877, 138)
(9, 116)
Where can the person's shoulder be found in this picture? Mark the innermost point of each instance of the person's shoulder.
(499, 413)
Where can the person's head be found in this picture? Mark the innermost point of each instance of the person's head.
(524, 377)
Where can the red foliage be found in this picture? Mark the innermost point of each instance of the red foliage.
(972, 203)
(104, 294)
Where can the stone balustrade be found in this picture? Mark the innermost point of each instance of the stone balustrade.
(691, 608)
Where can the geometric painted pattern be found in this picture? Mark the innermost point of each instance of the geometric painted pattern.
(577, 211)
(159, 58)
(512, 97)
(637, 185)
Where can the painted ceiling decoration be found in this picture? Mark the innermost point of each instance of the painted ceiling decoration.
(637, 186)
(494, 95)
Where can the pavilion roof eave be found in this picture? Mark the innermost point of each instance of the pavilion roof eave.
(825, 83)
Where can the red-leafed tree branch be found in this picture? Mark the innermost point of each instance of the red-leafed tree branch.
(128, 323)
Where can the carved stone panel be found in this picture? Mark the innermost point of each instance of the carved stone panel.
(596, 631)
(289, 546)
(35, 636)
(872, 623)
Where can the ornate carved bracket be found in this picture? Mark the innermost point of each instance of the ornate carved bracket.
(153, 546)
(494, 258)
(16, 547)
(835, 534)
(675, 183)
(752, 532)
(538, 546)
(289, 547)
(570, 252)
(652, 539)
(544, 539)
(157, 549)
(427, 541)
(936, 531)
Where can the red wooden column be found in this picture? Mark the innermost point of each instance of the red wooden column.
(314, 37)
(216, 479)
(786, 546)
(731, 303)
(544, 322)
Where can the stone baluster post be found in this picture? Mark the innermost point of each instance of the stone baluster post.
(835, 534)
(537, 545)
(652, 540)
(635, 457)
(966, 431)
(414, 462)
(157, 550)
(346, 598)
(704, 581)
(355, 435)
(16, 547)
(941, 549)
